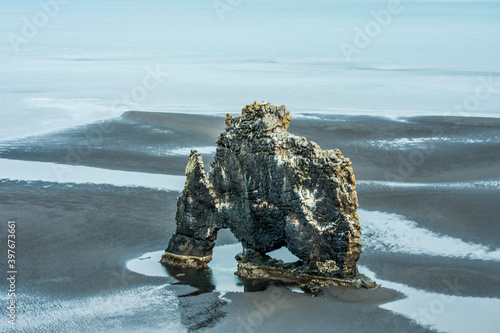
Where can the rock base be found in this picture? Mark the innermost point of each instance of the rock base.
(297, 272)
(185, 261)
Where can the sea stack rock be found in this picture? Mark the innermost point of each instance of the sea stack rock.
(271, 189)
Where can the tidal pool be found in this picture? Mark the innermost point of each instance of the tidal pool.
(220, 274)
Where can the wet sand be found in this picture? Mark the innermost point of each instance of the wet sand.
(469, 214)
(74, 240)
(423, 149)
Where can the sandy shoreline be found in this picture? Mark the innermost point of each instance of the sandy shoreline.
(74, 240)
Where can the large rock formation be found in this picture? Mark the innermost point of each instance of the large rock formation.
(271, 189)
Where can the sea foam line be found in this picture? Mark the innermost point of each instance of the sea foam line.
(100, 313)
(410, 143)
(187, 150)
(484, 184)
(41, 116)
(394, 233)
(444, 313)
(63, 173)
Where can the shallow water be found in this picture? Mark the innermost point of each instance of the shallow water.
(389, 232)
(220, 275)
(439, 311)
(429, 309)
(64, 173)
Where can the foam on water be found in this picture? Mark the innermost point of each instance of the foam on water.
(187, 151)
(160, 150)
(444, 313)
(394, 233)
(479, 184)
(38, 116)
(156, 304)
(411, 143)
(305, 116)
(63, 173)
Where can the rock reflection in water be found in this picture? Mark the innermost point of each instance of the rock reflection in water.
(219, 276)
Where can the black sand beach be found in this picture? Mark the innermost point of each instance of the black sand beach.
(73, 241)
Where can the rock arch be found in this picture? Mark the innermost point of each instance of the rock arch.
(271, 189)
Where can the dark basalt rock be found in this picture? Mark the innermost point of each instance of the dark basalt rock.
(271, 189)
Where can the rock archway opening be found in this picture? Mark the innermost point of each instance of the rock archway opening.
(284, 255)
